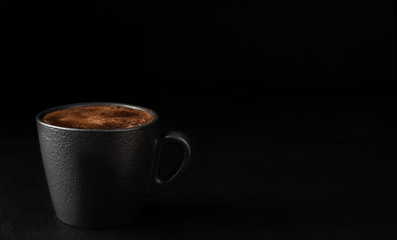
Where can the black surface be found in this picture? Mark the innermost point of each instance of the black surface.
(291, 108)
(267, 164)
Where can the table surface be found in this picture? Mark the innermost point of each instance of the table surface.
(314, 169)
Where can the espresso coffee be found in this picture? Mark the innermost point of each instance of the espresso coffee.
(98, 117)
(101, 178)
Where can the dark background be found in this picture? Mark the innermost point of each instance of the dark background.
(109, 49)
(290, 107)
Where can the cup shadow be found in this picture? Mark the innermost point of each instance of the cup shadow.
(211, 219)
(215, 213)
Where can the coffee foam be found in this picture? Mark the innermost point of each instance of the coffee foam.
(98, 117)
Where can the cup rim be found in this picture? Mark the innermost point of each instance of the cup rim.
(40, 116)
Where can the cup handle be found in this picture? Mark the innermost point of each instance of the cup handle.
(158, 182)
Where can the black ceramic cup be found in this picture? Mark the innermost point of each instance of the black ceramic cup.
(100, 178)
